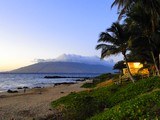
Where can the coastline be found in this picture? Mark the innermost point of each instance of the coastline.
(35, 102)
(14, 81)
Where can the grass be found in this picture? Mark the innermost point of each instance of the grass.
(127, 101)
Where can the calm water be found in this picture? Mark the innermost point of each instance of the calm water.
(13, 81)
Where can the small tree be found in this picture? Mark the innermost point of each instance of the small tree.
(119, 66)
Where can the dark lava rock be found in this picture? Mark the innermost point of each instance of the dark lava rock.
(12, 91)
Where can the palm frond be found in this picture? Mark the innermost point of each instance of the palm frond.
(114, 40)
(120, 3)
(106, 37)
(104, 46)
(109, 52)
(123, 6)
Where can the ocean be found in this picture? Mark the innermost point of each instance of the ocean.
(13, 81)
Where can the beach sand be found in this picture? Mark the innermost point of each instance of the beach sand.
(35, 103)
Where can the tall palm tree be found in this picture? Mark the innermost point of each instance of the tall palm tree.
(115, 41)
(140, 21)
(123, 6)
(151, 7)
(149, 23)
(155, 38)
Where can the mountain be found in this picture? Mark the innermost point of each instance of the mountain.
(63, 67)
(68, 64)
(78, 59)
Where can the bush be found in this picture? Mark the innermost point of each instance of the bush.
(132, 90)
(142, 107)
(79, 106)
(84, 104)
(117, 99)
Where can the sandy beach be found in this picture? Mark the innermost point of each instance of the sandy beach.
(35, 103)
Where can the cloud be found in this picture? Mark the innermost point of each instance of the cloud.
(79, 59)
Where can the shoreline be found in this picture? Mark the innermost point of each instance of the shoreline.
(26, 88)
(30, 90)
(21, 88)
(35, 103)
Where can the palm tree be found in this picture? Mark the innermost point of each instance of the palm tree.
(115, 41)
(155, 38)
(123, 6)
(151, 7)
(147, 14)
(139, 21)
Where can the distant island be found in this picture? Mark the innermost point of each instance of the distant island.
(68, 64)
(63, 67)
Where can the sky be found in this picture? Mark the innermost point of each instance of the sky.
(46, 29)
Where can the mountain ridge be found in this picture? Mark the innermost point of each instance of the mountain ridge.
(78, 59)
(63, 67)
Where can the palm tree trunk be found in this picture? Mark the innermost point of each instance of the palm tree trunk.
(130, 74)
(154, 60)
(159, 60)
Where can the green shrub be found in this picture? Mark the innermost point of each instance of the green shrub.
(79, 106)
(82, 105)
(132, 90)
(141, 108)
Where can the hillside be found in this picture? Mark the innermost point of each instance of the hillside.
(134, 101)
(63, 67)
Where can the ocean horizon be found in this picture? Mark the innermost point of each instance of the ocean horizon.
(13, 81)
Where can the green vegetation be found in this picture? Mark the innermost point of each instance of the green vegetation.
(98, 80)
(126, 101)
(143, 107)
